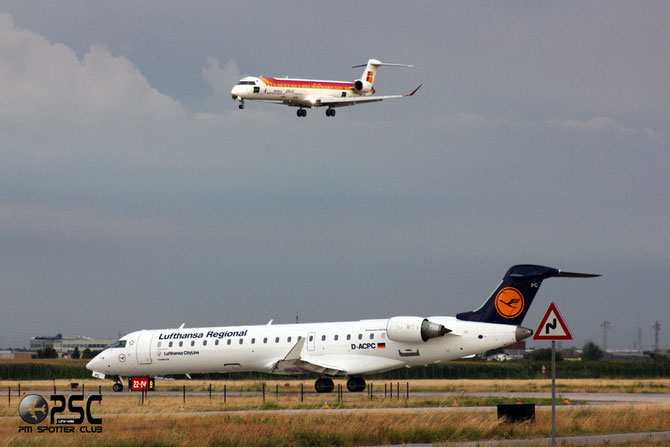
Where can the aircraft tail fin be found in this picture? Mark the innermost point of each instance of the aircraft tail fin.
(509, 303)
(371, 67)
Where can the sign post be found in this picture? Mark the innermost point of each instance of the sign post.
(552, 327)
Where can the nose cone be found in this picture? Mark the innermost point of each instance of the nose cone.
(522, 333)
(237, 91)
(96, 363)
(91, 365)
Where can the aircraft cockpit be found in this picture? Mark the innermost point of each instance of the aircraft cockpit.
(118, 344)
(245, 86)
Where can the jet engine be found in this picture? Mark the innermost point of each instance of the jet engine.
(413, 329)
(361, 86)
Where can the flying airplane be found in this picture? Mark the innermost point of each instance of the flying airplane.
(351, 349)
(308, 93)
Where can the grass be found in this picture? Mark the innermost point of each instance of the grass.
(162, 422)
(338, 429)
(128, 403)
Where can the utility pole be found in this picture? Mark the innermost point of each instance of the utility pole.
(639, 338)
(296, 317)
(605, 325)
(657, 330)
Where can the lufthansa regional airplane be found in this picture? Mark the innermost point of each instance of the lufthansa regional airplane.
(308, 93)
(351, 349)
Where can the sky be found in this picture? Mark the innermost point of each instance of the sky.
(134, 194)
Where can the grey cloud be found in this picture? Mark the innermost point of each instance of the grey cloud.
(602, 124)
(114, 194)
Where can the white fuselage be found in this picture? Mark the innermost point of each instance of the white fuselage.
(340, 348)
(298, 92)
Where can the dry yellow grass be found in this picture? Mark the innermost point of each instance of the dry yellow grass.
(324, 428)
(133, 404)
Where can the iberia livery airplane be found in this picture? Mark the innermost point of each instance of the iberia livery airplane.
(308, 93)
(350, 348)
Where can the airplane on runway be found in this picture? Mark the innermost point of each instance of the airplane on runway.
(351, 349)
(308, 93)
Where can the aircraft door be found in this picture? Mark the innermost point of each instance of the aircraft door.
(144, 347)
(310, 341)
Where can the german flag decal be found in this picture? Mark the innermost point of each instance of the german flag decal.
(381, 345)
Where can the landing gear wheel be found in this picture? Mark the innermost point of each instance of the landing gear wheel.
(330, 112)
(241, 106)
(324, 385)
(302, 112)
(356, 384)
(117, 387)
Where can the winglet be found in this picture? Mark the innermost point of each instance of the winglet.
(294, 353)
(414, 91)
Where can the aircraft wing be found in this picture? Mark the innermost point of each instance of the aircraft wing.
(332, 365)
(342, 102)
(294, 363)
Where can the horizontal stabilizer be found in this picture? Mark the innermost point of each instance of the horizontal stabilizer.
(562, 274)
(382, 64)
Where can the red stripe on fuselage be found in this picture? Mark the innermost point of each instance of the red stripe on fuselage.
(300, 83)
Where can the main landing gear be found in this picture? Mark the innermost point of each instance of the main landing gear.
(324, 385)
(301, 112)
(356, 384)
(330, 112)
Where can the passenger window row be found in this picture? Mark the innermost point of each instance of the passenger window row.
(265, 340)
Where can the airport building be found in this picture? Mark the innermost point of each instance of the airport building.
(65, 345)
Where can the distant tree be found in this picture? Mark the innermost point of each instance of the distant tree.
(657, 356)
(544, 355)
(88, 354)
(592, 351)
(47, 353)
(76, 354)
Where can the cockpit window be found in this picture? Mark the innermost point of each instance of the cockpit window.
(119, 344)
(247, 83)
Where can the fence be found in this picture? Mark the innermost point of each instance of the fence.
(522, 369)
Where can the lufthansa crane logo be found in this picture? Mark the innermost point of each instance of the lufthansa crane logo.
(509, 302)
